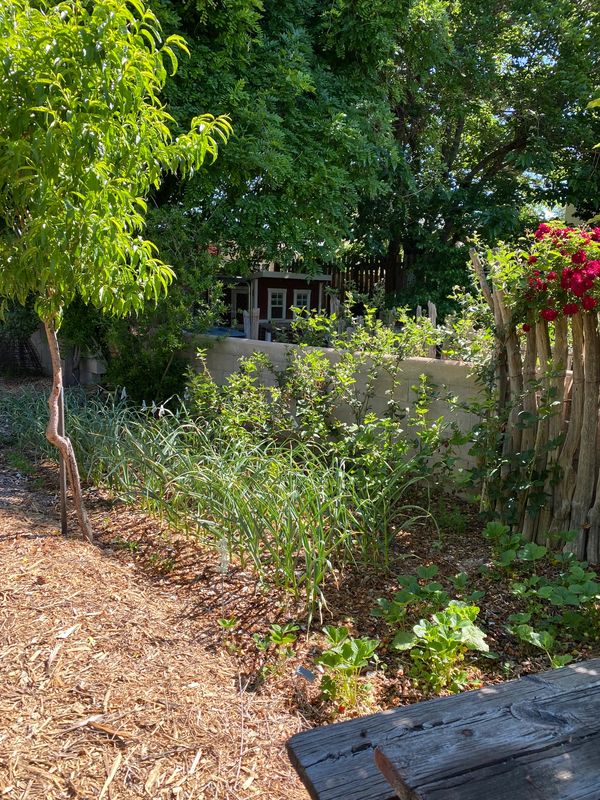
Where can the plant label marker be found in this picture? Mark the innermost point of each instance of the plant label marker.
(306, 673)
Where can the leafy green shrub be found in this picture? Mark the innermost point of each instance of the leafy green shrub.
(438, 647)
(343, 661)
(402, 336)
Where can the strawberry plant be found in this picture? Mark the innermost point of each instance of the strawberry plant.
(425, 597)
(438, 647)
(343, 662)
(505, 544)
(280, 639)
(543, 639)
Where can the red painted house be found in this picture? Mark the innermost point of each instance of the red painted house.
(274, 294)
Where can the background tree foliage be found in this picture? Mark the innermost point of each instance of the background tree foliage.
(312, 125)
(489, 104)
(400, 127)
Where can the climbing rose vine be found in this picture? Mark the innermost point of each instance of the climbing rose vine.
(562, 273)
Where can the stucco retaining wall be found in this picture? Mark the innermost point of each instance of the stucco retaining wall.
(451, 377)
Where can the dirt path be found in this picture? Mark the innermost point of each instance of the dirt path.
(105, 688)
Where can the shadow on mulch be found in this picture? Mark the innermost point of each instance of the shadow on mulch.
(107, 689)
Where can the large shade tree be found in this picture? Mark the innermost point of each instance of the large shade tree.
(300, 79)
(490, 118)
(84, 137)
(302, 83)
(401, 126)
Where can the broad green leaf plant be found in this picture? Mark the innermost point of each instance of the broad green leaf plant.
(84, 137)
(438, 647)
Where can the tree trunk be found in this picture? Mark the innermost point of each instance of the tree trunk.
(410, 259)
(393, 267)
(63, 443)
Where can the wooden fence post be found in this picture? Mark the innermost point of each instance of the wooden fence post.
(432, 311)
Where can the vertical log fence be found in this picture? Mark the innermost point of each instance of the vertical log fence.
(552, 427)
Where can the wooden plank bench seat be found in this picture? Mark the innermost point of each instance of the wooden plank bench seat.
(536, 738)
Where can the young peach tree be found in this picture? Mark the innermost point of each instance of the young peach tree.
(84, 137)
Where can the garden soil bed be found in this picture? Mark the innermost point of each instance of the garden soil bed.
(119, 682)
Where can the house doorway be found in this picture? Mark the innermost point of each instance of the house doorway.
(240, 302)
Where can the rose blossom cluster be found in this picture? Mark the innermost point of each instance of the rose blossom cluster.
(562, 271)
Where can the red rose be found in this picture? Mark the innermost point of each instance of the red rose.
(578, 284)
(565, 278)
(589, 302)
(542, 230)
(526, 327)
(536, 283)
(569, 309)
(552, 276)
(592, 268)
(549, 314)
(579, 257)
(532, 259)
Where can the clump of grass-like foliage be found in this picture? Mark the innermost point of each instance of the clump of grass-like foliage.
(296, 512)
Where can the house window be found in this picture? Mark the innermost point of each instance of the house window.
(277, 303)
(302, 299)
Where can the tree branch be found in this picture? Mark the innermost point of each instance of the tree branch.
(492, 163)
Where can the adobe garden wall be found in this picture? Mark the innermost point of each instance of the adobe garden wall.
(452, 377)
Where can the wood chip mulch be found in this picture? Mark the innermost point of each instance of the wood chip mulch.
(107, 690)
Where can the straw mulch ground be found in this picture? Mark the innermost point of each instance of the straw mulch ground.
(106, 690)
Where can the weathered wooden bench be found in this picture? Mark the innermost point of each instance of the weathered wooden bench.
(537, 738)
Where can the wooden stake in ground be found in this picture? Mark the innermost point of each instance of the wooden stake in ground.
(555, 424)
(587, 459)
(62, 442)
(62, 468)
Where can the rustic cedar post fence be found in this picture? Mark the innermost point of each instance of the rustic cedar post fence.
(562, 446)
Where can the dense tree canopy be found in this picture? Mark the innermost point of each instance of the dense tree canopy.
(490, 117)
(301, 80)
(401, 128)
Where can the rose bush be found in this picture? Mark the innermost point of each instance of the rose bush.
(561, 273)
